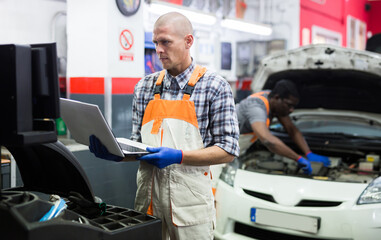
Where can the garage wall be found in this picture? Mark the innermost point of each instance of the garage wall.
(27, 22)
(330, 15)
(374, 25)
(103, 69)
(327, 14)
(95, 68)
(284, 17)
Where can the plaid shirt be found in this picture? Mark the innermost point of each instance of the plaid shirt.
(214, 103)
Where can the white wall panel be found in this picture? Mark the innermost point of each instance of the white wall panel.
(94, 28)
(26, 21)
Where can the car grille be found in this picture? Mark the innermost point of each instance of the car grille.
(302, 203)
(313, 203)
(263, 196)
(262, 234)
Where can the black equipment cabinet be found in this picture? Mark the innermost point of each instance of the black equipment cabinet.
(29, 99)
(52, 169)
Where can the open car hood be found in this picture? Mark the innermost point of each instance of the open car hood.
(327, 76)
(345, 115)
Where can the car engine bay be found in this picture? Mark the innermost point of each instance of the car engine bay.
(345, 167)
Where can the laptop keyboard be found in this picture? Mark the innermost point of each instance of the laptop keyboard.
(131, 148)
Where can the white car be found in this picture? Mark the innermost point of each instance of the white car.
(265, 196)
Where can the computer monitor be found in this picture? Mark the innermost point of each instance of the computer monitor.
(45, 81)
(226, 55)
(29, 94)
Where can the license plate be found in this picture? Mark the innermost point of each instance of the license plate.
(285, 220)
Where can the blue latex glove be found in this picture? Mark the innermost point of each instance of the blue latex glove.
(318, 158)
(162, 156)
(101, 151)
(305, 165)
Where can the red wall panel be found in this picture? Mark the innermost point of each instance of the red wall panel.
(310, 17)
(356, 8)
(87, 85)
(332, 15)
(95, 85)
(178, 2)
(329, 8)
(124, 85)
(374, 17)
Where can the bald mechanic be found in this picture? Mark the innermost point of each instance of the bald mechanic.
(255, 114)
(188, 114)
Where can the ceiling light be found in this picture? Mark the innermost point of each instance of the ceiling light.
(238, 25)
(193, 16)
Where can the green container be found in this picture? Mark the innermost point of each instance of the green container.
(61, 127)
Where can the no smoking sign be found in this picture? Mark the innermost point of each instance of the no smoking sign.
(126, 39)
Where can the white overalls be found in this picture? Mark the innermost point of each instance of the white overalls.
(180, 194)
(247, 139)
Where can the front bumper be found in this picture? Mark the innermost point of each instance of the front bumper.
(345, 221)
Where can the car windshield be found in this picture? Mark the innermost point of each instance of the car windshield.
(344, 127)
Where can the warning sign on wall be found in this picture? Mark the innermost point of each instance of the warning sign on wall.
(126, 41)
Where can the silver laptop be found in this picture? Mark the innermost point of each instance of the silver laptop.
(85, 119)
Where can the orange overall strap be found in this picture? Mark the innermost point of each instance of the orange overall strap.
(198, 72)
(158, 84)
(266, 102)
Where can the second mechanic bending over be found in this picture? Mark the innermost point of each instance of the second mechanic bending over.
(255, 114)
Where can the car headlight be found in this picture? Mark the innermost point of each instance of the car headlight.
(228, 172)
(372, 194)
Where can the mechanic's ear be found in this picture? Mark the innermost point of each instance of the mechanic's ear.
(189, 41)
